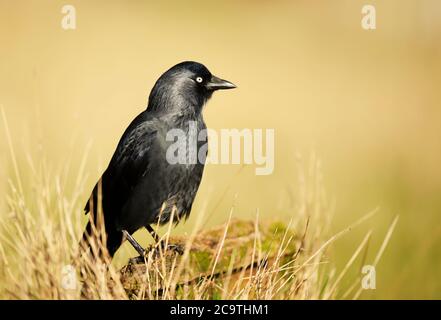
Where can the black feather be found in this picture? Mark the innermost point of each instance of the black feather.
(139, 181)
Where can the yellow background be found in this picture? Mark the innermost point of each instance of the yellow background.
(367, 103)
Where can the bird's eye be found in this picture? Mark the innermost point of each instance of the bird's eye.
(199, 79)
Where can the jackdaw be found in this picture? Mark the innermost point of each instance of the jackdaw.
(140, 186)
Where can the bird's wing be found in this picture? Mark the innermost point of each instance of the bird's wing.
(129, 163)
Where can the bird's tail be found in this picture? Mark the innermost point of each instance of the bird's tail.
(100, 243)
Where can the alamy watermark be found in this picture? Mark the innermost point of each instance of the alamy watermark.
(68, 277)
(369, 17)
(369, 280)
(225, 147)
(69, 19)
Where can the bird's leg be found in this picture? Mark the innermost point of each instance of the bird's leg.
(153, 233)
(134, 243)
(175, 247)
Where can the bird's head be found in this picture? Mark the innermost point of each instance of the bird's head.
(185, 85)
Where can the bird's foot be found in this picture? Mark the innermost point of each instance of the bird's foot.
(158, 250)
(137, 260)
(161, 248)
(177, 248)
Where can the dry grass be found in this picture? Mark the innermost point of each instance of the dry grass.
(39, 236)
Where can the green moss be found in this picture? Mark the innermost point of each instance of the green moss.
(238, 228)
(202, 259)
(237, 251)
(277, 228)
(216, 295)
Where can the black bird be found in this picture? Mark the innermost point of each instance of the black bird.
(140, 186)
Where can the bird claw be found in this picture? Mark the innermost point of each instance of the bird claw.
(179, 249)
(158, 250)
(137, 260)
(161, 248)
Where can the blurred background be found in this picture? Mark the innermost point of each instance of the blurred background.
(366, 103)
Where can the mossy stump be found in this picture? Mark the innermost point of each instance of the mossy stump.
(231, 251)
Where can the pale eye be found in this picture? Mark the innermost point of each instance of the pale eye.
(199, 79)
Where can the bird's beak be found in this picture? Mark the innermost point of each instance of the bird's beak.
(217, 84)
